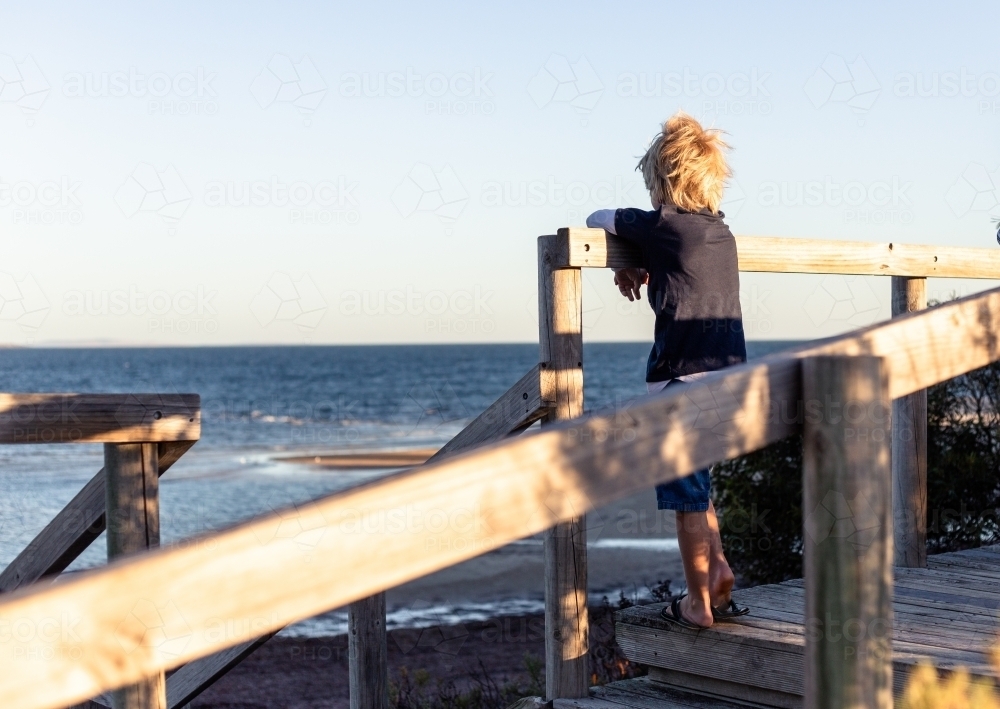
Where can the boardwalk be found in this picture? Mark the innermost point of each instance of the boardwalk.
(948, 614)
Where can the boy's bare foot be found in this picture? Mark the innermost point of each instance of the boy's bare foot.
(695, 611)
(720, 586)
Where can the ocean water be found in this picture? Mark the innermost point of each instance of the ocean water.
(260, 404)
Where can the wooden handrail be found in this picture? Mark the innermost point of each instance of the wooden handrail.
(529, 399)
(99, 418)
(595, 248)
(435, 516)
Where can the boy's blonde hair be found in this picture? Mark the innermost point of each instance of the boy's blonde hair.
(685, 165)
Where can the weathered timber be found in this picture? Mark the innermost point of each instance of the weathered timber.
(133, 522)
(99, 418)
(909, 447)
(560, 330)
(848, 566)
(595, 248)
(366, 650)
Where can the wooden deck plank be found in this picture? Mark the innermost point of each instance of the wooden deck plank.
(933, 609)
(906, 628)
(761, 631)
(645, 693)
(947, 614)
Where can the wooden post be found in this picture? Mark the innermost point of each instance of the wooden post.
(366, 653)
(560, 319)
(133, 523)
(909, 447)
(847, 535)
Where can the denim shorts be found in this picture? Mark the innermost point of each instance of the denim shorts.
(688, 494)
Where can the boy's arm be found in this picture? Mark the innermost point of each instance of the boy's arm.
(603, 219)
(628, 280)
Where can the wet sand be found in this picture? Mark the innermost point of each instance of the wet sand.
(373, 460)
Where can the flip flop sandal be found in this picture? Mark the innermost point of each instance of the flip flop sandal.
(729, 611)
(673, 615)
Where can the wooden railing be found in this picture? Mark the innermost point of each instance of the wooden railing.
(170, 606)
(143, 435)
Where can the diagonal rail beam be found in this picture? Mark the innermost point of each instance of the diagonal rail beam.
(73, 529)
(529, 400)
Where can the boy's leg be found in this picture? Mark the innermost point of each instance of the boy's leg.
(706, 571)
(721, 577)
(694, 538)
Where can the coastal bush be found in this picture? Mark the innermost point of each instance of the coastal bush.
(759, 496)
(416, 690)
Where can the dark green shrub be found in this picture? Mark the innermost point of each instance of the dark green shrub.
(759, 496)
(759, 500)
(963, 461)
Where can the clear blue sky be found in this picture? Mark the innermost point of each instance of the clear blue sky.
(217, 173)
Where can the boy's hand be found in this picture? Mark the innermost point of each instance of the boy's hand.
(629, 281)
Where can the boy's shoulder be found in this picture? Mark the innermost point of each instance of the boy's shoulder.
(636, 220)
(668, 220)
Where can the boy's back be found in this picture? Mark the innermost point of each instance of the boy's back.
(694, 289)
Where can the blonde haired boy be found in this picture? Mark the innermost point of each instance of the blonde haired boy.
(690, 266)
